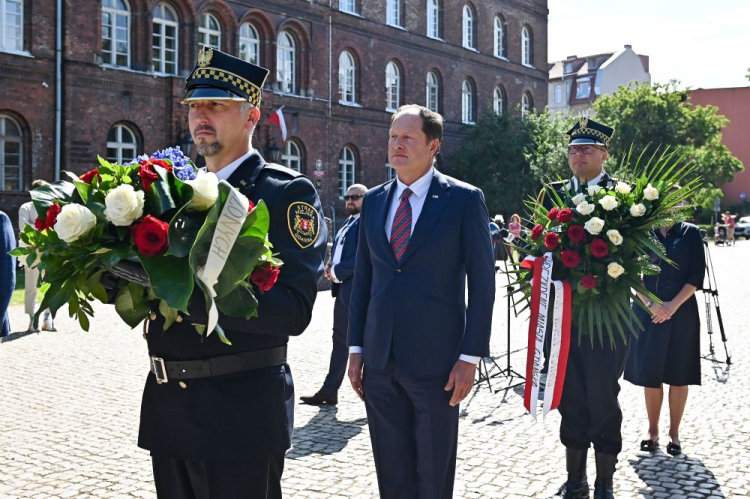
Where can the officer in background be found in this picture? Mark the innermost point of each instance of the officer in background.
(218, 419)
(340, 271)
(589, 407)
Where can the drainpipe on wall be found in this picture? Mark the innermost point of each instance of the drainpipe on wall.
(58, 85)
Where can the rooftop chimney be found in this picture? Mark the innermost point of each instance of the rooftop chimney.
(572, 57)
(629, 47)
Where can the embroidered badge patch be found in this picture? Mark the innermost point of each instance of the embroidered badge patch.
(304, 224)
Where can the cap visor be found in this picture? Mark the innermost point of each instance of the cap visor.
(211, 93)
(586, 140)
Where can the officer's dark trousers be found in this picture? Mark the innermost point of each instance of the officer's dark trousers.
(258, 478)
(414, 433)
(589, 408)
(340, 353)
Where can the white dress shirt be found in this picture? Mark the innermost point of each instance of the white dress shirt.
(26, 216)
(228, 170)
(574, 181)
(339, 244)
(419, 189)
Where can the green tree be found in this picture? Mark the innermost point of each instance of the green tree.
(548, 152)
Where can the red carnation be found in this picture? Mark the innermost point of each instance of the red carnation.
(551, 240)
(265, 276)
(51, 219)
(599, 248)
(536, 232)
(588, 281)
(88, 177)
(552, 215)
(250, 206)
(570, 258)
(576, 234)
(565, 215)
(150, 236)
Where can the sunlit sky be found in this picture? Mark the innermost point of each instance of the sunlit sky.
(702, 44)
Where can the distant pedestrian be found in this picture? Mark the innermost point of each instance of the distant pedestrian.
(515, 226)
(7, 271)
(730, 221)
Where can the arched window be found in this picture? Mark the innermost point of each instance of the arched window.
(286, 62)
(121, 144)
(432, 99)
(116, 33)
(469, 28)
(433, 18)
(393, 13)
(11, 156)
(527, 104)
(467, 102)
(500, 40)
(291, 157)
(347, 166)
(249, 44)
(165, 41)
(210, 31)
(527, 47)
(11, 24)
(347, 78)
(392, 87)
(498, 100)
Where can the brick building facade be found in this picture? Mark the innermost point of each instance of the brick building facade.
(338, 67)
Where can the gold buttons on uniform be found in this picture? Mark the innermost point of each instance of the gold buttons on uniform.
(183, 384)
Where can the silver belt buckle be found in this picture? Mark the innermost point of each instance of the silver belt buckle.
(157, 366)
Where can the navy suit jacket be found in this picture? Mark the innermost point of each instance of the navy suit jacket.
(417, 307)
(344, 270)
(7, 271)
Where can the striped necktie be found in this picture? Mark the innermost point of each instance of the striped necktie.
(401, 228)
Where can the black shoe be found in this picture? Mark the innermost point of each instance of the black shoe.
(577, 486)
(605, 470)
(674, 449)
(579, 490)
(320, 399)
(649, 445)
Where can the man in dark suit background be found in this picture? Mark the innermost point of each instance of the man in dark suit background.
(340, 271)
(414, 343)
(7, 271)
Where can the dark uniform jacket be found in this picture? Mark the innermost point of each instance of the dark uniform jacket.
(7, 271)
(344, 270)
(247, 414)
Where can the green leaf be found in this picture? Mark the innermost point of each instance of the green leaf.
(240, 302)
(170, 314)
(159, 195)
(131, 305)
(96, 288)
(183, 230)
(171, 279)
(44, 196)
(83, 320)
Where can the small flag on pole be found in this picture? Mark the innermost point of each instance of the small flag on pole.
(278, 119)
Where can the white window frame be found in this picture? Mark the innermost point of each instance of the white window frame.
(433, 19)
(526, 47)
(286, 62)
(5, 139)
(393, 13)
(498, 101)
(467, 103)
(249, 44)
(292, 155)
(114, 13)
(348, 6)
(499, 37)
(14, 44)
(392, 86)
(347, 170)
(526, 104)
(160, 61)
(579, 85)
(558, 93)
(347, 78)
(120, 145)
(469, 26)
(206, 31)
(432, 92)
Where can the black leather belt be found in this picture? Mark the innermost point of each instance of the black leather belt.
(216, 366)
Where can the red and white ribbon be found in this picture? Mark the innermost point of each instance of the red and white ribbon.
(560, 342)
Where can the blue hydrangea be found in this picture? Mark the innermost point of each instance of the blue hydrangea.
(182, 167)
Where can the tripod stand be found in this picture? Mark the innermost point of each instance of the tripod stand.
(707, 294)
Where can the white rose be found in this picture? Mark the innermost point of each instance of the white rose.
(622, 188)
(585, 208)
(594, 226)
(609, 203)
(651, 193)
(205, 190)
(615, 270)
(124, 205)
(637, 210)
(578, 198)
(73, 222)
(593, 190)
(615, 237)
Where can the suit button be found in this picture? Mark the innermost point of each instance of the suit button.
(398, 271)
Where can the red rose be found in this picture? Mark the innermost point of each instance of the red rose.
(265, 276)
(250, 206)
(565, 215)
(148, 175)
(599, 248)
(576, 234)
(552, 215)
(51, 219)
(588, 281)
(162, 163)
(150, 236)
(570, 258)
(536, 232)
(551, 240)
(89, 176)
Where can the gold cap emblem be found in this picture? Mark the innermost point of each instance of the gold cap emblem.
(204, 56)
(583, 122)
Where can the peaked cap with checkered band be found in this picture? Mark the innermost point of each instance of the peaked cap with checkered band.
(219, 76)
(588, 131)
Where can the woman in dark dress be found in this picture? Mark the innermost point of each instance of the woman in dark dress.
(668, 351)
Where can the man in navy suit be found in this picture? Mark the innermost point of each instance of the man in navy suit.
(340, 271)
(413, 342)
(7, 271)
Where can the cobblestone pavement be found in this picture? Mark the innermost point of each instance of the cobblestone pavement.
(69, 408)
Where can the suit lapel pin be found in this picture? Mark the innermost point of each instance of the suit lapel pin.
(434, 196)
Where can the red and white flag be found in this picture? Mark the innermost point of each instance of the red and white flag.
(278, 119)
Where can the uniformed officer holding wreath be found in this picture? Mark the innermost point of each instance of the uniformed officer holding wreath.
(224, 436)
